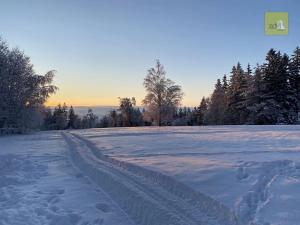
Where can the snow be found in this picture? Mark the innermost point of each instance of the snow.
(246, 168)
(155, 176)
(39, 186)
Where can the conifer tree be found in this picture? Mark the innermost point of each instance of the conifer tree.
(73, 119)
(114, 118)
(217, 105)
(237, 92)
(278, 96)
(225, 83)
(90, 119)
(294, 67)
(254, 99)
(127, 111)
(201, 111)
(60, 117)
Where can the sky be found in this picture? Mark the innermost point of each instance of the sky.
(102, 49)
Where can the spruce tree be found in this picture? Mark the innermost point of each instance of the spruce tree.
(225, 83)
(289, 93)
(279, 96)
(73, 119)
(200, 112)
(217, 105)
(294, 67)
(248, 73)
(237, 92)
(254, 99)
(114, 118)
(60, 117)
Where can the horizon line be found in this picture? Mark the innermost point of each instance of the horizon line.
(140, 106)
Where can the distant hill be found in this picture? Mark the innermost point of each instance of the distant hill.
(98, 110)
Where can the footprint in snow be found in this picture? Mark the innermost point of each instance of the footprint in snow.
(98, 221)
(95, 222)
(52, 199)
(54, 208)
(103, 207)
(58, 191)
(79, 175)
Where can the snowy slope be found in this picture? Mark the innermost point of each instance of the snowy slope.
(222, 175)
(39, 186)
(148, 197)
(253, 170)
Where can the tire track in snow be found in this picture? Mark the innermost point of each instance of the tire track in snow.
(148, 197)
(138, 155)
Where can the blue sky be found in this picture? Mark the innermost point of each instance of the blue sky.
(102, 49)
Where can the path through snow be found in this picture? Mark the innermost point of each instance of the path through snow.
(253, 170)
(153, 176)
(148, 197)
(39, 186)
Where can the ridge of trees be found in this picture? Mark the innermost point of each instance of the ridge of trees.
(269, 93)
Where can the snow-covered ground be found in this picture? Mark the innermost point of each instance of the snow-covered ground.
(40, 186)
(156, 176)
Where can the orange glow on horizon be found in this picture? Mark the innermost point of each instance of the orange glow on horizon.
(55, 100)
(81, 102)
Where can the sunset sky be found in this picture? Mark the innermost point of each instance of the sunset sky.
(102, 49)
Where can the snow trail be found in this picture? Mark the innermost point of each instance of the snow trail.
(259, 195)
(39, 186)
(148, 197)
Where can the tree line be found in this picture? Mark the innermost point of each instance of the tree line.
(160, 107)
(22, 91)
(269, 93)
(64, 117)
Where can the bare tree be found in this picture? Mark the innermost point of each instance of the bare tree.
(163, 95)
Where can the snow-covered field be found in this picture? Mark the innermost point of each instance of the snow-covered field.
(152, 176)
